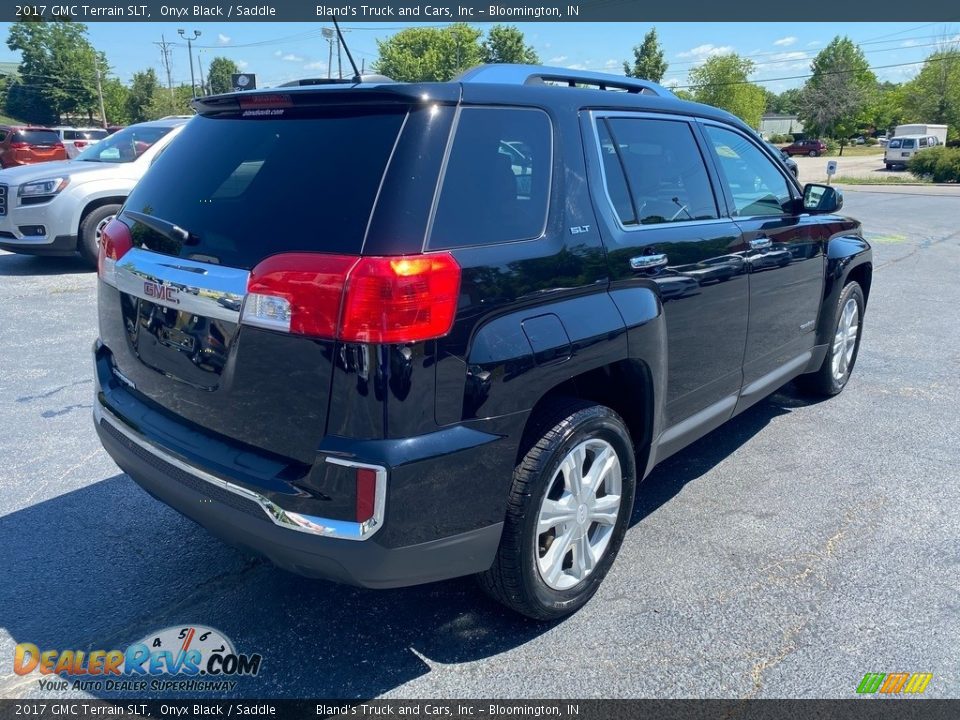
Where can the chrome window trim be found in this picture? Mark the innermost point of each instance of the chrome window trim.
(596, 115)
(310, 524)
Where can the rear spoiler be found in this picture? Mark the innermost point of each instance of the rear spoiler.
(318, 95)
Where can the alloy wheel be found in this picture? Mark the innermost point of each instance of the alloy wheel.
(845, 339)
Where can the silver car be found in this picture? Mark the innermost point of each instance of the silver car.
(60, 208)
(76, 140)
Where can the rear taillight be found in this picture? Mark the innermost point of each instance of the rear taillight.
(19, 145)
(366, 299)
(115, 241)
(79, 144)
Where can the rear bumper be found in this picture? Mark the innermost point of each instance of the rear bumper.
(235, 511)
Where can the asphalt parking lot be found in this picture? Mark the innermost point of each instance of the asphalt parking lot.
(784, 555)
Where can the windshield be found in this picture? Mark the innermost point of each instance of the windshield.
(124, 146)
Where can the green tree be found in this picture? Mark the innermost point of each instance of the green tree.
(648, 59)
(885, 108)
(58, 68)
(143, 90)
(162, 104)
(786, 103)
(429, 54)
(219, 76)
(934, 95)
(115, 97)
(722, 81)
(505, 44)
(836, 98)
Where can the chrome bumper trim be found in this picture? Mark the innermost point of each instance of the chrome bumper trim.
(323, 527)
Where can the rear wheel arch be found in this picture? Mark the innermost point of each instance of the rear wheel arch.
(617, 386)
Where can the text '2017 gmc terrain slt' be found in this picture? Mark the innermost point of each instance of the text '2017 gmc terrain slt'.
(391, 333)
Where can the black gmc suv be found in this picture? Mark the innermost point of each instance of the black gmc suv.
(392, 333)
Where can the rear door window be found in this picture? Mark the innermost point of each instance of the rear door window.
(497, 183)
(246, 188)
(654, 171)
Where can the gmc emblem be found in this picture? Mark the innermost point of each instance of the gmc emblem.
(160, 292)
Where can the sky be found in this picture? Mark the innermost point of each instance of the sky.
(278, 52)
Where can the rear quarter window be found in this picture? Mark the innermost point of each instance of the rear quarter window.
(496, 185)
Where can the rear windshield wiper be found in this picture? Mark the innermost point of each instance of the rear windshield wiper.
(164, 227)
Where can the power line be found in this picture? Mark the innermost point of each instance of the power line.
(829, 72)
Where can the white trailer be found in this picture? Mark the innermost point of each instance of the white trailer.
(937, 131)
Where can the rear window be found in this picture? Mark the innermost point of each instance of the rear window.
(894, 144)
(37, 137)
(94, 134)
(909, 143)
(497, 182)
(248, 188)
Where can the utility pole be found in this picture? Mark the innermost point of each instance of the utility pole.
(196, 33)
(339, 61)
(328, 36)
(103, 112)
(203, 83)
(165, 49)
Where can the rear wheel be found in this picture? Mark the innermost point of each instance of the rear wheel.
(835, 371)
(813, 153)
(568, 511)
(92, 228)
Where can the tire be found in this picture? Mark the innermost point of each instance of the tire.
(812, 153)
(525, 575)
(94, 222)
(835, 371)
(889, 166)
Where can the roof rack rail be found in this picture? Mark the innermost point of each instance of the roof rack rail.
(303, 82)
(507, 74)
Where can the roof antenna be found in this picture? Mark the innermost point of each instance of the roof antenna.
(356, 73)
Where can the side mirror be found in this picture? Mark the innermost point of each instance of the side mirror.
(821, 199)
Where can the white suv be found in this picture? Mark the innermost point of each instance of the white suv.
(59, 208)
(76, 140)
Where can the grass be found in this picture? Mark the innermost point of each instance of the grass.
(858, 151)
(6, 120)
(905, 179)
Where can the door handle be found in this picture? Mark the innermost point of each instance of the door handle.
(648, 262)
(759, 243)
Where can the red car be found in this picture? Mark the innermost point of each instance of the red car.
(28, 145)
(813, 148)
